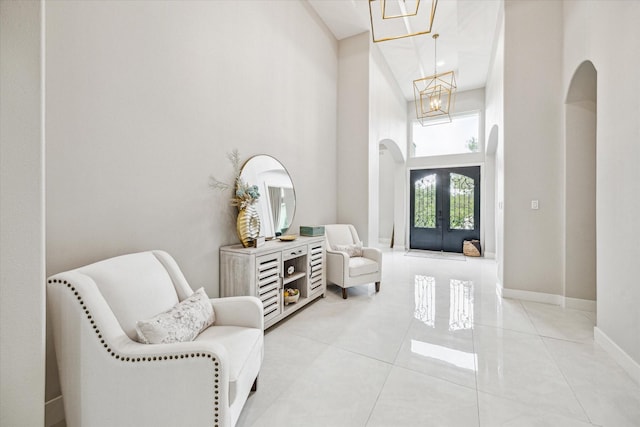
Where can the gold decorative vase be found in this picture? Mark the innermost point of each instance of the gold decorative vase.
(248, 225)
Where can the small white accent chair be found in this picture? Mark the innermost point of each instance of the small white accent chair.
(110, 379)
(344, 270)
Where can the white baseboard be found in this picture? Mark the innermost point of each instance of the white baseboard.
(53, 411)
(619, 355)
(572, 303)
(580, 304)
(532, 296)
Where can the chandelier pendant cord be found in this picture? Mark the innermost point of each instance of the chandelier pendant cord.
(435, 54)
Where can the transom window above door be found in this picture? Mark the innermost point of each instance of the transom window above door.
(458, 137)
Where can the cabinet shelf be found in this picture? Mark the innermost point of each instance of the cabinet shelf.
(290, 308)
(293, 277)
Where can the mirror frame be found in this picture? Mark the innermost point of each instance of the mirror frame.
(267, 229)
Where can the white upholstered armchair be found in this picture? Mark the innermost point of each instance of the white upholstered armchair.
(110, 379)
(348, 263)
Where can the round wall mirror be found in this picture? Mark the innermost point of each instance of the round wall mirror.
(277, 203)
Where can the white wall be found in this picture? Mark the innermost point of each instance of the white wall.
(607, 34)
(22, 270)
(144, 99)
(533, 153)
(352, 190)
(494, 128)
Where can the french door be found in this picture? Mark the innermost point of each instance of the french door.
(445, 208)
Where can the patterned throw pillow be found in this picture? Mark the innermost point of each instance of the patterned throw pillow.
(181, 323)
(351, 250)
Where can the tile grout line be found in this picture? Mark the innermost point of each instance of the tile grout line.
(375, 403)
(475, 376)
(526, 312)
(392, 364)
(266, 408)
(573, 392)
(334, 346)
(542, 337)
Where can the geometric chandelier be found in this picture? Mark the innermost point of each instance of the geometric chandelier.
(435, 95)
(397, 19)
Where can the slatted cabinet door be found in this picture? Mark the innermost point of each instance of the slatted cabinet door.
(317, 281)
(268, 280)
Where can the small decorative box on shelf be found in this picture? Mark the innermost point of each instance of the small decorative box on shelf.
(258, 241)
(312, 230)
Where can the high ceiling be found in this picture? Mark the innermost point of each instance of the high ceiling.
(467, 30)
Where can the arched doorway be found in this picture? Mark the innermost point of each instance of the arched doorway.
(580, 188)
(490, 188)
(390, 209)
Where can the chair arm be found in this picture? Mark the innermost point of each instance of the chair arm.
(373, 254)
(198, 372)
(337, 266)
(101, 369)
(244, 311)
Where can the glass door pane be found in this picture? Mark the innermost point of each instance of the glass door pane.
(461, 206)
(425, 202)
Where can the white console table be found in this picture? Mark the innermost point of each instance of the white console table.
(264, 272)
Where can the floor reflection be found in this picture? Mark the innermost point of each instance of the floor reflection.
(460, 302)
(425, 299)
(461, 359)
(460, 305)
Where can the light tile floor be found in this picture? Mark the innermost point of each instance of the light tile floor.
(437, 347)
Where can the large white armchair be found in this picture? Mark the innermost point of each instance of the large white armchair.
(110, 379)
(343, 268)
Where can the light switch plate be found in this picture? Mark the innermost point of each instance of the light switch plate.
(534, 204)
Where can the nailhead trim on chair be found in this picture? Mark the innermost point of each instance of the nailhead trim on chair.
(146, 358)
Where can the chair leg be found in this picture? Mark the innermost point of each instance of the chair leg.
(254, 387)
(377, 286)
(344, 293)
